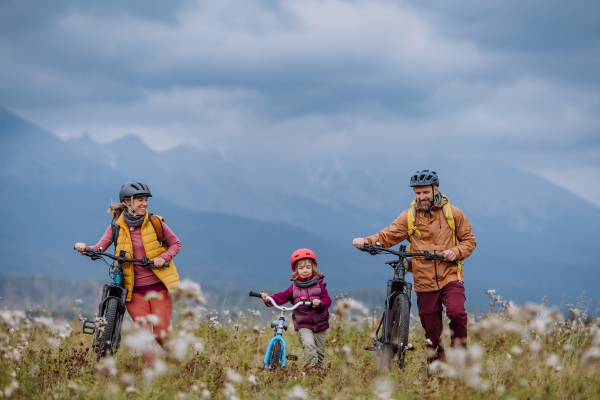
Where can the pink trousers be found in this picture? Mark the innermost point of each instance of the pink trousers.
(140, 307)
(430, 311)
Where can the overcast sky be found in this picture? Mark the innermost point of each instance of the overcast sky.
(511, 79)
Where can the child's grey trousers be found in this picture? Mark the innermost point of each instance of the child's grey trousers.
(313, 345)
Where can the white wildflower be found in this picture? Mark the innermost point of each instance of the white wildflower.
(344, 306)
(54, 342)
(552, 362)
(8, 391)
(297, 393)
(179, 345)
(383, 389)
(437, 366)
(232, 376)
(153, 319)
(152, 295)
(535, 346)
(188, 290)
(159, 368)
(106, 367)
(252, 379)
(141, 340)
(205, 394)
(591, 355)
(516, 351)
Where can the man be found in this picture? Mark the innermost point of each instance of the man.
(432, 224)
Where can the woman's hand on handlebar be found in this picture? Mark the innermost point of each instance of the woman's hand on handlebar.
(80, 247)
(359, 243)
(316, 303)
(158, 262)
(264, 298)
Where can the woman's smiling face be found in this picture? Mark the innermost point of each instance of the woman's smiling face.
(140, 204)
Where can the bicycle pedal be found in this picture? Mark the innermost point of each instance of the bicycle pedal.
(411, 348)
(292, 357)
(262, 368)
(89, 327)
(370, 348)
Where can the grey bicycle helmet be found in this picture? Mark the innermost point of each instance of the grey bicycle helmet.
(134, 189)
(424, 178)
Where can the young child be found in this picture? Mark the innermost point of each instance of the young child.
(311, 322)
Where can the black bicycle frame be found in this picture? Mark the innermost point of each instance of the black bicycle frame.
(395, 286)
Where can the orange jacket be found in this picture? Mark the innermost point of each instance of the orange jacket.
(436, 236)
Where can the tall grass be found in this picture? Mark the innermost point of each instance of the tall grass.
(513, 352)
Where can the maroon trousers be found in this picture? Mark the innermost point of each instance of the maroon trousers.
(430, 311)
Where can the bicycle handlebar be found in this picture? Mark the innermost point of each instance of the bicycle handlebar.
(300, 303)
(373, 250)
(144, 262)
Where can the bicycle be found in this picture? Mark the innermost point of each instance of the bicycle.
(395, 321)
(277, 349)
(107, 337)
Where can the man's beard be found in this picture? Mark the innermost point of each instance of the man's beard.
(428, 206)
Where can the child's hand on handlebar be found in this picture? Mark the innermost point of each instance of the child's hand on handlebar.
(264, 297)
(316, 303)
(80, 247)
(158, 262)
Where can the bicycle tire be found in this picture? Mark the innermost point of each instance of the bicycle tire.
(275, 357)
(104, 342)
(399, 324)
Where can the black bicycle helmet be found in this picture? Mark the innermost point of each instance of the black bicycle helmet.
(424, 178)
(134, 189)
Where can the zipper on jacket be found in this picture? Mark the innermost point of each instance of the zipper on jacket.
(312, 313)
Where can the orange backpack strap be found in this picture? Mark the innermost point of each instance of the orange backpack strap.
(157, 223)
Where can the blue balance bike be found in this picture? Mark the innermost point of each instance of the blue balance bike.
(277, 349)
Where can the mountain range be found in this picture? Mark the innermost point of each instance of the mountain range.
(240, 217)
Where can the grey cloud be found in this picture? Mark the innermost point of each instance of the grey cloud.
(506, 79)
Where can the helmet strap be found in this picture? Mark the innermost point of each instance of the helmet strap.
(130, 209)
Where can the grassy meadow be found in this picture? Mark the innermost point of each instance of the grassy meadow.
(529, 352)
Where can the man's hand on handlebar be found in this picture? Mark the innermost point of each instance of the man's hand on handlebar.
(80, 247)
(449, 255)
(359, 243)
(158, 262)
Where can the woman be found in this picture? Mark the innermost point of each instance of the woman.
(138, 237)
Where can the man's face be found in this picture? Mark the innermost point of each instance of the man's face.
(424, 195)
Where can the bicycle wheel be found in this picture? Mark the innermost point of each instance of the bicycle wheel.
(399, 323)
(104, 340)
(275, 357)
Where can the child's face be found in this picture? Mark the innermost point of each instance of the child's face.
(305, 267)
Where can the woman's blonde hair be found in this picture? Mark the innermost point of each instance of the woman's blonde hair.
(314, 268)
(116, 209)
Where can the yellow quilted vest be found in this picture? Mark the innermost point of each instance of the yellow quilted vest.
(412, 229)
(153, 248)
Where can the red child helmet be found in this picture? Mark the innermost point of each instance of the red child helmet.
(300, 254)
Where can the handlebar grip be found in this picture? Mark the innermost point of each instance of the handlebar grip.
(167, 265)
(88, 250)
(254, 294)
